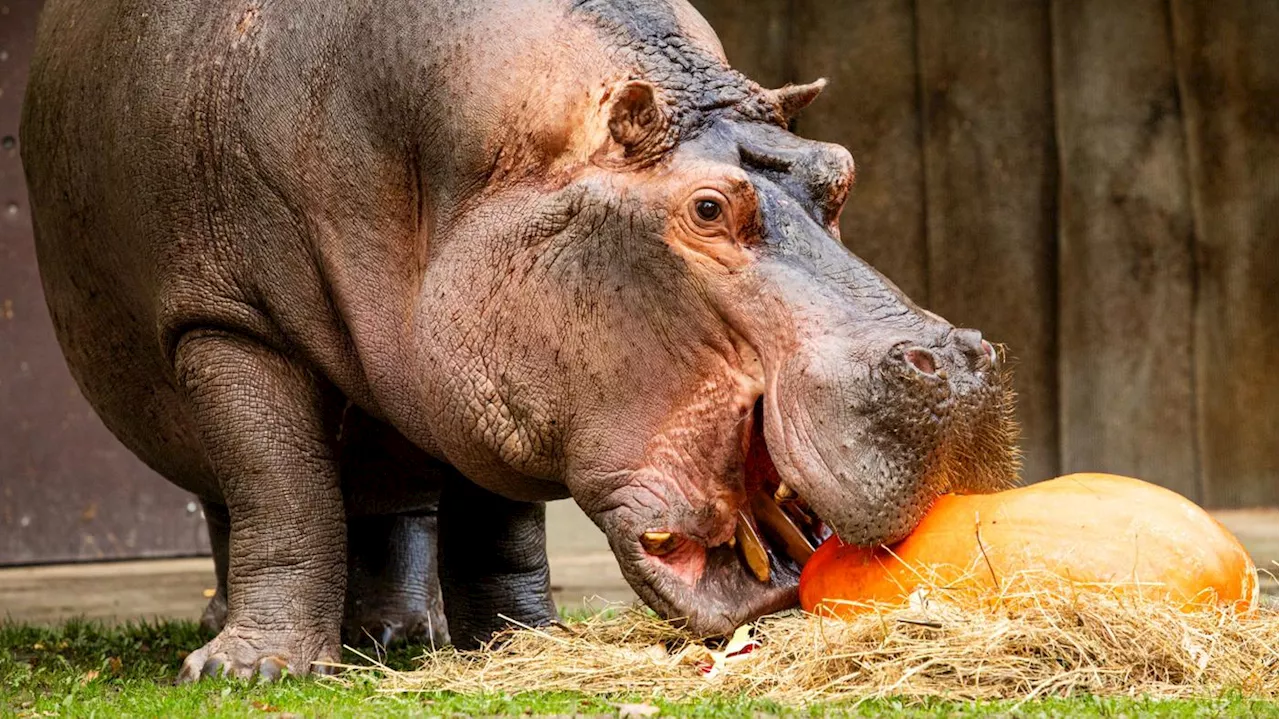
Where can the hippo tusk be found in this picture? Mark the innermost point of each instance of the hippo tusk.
(657, 543)
(779, 526)
(750, 548)
(822, 532)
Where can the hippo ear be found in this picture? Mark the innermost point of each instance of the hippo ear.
(791, 99)
(636, 123)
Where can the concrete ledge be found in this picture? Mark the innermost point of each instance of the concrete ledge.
(1257, 531)
(176, 588)
(583, 573)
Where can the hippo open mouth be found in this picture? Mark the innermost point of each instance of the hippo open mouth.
(774, 535)
(742, 560)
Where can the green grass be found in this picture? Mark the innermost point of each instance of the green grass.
(87, 670)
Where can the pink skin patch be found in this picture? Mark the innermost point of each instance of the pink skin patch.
(687, 561)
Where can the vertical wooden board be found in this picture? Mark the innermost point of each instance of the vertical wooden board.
(754, 36)
(990, 171)
(1125, 263)
(1226, 53)
(68, 489)
(866, 48)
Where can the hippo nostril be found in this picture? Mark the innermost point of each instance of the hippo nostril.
(922, 359)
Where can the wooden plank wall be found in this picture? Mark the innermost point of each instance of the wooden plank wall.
(869, 57)
(1091, 183)
(990, 184)
(1226, 56)
(1126, 241)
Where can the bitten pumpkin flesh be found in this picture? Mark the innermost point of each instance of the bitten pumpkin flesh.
(1095, 529)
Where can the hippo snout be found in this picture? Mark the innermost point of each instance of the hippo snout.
(870, 445)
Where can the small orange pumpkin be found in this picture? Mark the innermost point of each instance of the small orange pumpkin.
(1084, 528)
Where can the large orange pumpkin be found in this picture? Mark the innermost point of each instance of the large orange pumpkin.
(1090, 529)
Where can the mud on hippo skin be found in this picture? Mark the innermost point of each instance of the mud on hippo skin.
(585, 260)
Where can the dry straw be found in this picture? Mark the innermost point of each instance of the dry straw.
(1020, 644)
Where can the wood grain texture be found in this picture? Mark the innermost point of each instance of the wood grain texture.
(69, 491)
(990, 171)
(1226, 61)
(866, 48)
(1125, 271)
(754, 36)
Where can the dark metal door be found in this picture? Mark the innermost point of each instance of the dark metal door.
(68, 489)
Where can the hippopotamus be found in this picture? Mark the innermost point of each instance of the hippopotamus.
(376, 279)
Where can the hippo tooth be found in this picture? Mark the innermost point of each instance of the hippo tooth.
(798, 514)
(750, 548)
(783, 493)
(779, 526)
(658, 543)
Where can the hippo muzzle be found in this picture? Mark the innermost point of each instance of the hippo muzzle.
(834, 444)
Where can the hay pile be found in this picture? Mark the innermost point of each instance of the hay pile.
(1018, 645)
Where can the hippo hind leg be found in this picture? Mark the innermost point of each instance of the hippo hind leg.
(286, 547)
(493, 563)
(392, 493)
(401, 585)
(393, 590)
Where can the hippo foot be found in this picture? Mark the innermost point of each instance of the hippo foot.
(393, 591)
(248, 653)
(390, 626)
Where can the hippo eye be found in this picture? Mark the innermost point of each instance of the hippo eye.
(708, 210)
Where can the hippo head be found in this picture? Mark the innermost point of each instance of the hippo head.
(661, 318)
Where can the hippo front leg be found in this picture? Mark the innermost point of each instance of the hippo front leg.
(393, 590)
(493, 561)
(264, 428)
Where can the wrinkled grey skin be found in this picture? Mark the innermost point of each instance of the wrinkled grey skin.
(331, 266)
